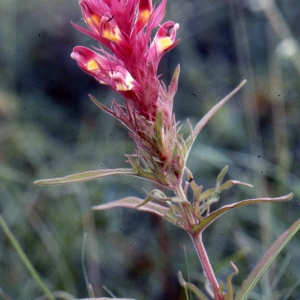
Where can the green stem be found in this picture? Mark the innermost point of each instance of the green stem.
(25, 259)
(208, 271)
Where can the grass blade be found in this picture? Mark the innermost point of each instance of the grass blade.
(270, 255)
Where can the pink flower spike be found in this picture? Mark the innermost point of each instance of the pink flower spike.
(164, 40)
(127, 61)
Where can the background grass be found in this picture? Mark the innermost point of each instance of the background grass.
(50, 128)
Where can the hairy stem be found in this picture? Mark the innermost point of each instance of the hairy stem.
(204, 260)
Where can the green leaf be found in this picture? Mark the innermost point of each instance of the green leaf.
(85, 176)
(249, 284)
(217, 213)
(229, 183)
(221, 176)
(199, 126)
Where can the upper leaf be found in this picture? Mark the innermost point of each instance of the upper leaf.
(190, 140)
(85, 176)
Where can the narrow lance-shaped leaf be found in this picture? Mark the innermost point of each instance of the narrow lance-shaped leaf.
(217, 213)
(261, 267)
(190, 140)
(221, 176)
(85, 176)
(135, 203)
(229, 183)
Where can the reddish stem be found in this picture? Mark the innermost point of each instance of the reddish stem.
(204, 260)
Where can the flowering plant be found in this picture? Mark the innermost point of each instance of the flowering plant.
(127, 61)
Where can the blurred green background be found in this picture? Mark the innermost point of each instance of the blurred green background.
(50, 128)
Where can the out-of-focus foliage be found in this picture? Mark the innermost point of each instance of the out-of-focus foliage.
(49, 128)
